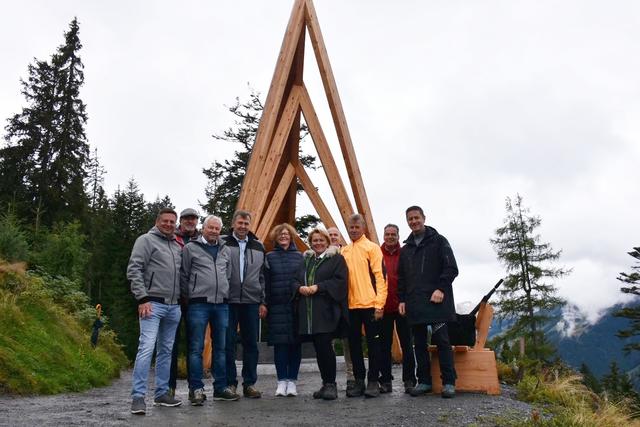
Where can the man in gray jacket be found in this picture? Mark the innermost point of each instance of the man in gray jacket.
(246, 301)
(154, 275)
(204, 280)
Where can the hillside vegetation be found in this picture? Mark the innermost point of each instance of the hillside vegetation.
(45, 327)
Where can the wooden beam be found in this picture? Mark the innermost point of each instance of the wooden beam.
(339, 119)
(315, 198)
(326, 158)
(274, 205)
(276, 151)
(275, 96)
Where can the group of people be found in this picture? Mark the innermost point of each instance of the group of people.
(328, 295)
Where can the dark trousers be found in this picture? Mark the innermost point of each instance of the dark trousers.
(173, 375)
(245, 315)
(359, 317)
(441, 339)
(325, 356)
(287, 358)
(404, 334)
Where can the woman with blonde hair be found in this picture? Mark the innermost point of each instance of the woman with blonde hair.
(322, 311)
(281, 268)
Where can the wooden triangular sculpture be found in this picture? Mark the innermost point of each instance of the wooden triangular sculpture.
(269, 187)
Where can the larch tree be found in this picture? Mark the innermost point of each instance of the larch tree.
(528, 294)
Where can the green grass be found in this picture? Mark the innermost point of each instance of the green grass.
(43, 348)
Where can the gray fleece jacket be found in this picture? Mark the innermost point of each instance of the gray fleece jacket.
(203, 279)
(154, 268)
(251, 289)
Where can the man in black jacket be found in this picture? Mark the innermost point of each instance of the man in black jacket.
(426, 271)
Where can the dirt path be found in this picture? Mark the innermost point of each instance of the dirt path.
(109, 406)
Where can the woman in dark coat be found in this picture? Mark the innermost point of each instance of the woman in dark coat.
(322, 305)
(282, 266)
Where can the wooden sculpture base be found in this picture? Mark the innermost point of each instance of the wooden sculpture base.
(476, 370)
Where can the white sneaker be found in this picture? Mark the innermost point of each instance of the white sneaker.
(291, 389)
(281, 390)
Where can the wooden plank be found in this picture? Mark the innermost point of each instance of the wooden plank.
(326, 158)
(315, 198)
(272, 105)
(276, 152)
(477, 371)
(339, 119)
(483, 322)
(275, 203)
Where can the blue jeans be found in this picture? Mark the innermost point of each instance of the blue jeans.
(287, 358)
(245, 315)
(198, 316)
(158, 330)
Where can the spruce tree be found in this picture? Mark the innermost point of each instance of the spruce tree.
(44, 162)
(631, 286)
(528, 293)
(225, 178)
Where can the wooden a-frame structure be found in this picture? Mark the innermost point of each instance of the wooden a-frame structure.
(270, 184)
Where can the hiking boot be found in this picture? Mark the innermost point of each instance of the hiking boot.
(357, 389)
(320, 393)
(372, 390)
(350, 385)
(330, 391)
(281, 390)
(196, 397)
(251, 392)
(225, 395)
(421, 389)
(233, 388)
(448, 391)
(138, 406)
(166, 400)
(292, 390)
(386, 388)
(408, 385)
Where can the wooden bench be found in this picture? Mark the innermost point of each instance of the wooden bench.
(476, 366)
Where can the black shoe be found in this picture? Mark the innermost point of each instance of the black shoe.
(350, 385)
(166, 400)
(330, 391)
(448, 391)
(196, 397)
(421, 389)
(386, 388)
(225, 395)
(357, 390)
(372, 389)
(138, 406)
(320, 393)
(408, 386)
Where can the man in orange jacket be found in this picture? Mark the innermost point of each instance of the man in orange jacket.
(367, 297)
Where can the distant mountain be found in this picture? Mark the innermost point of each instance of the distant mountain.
(579, 341)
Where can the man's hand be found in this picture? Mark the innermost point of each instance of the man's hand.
(437, 296)
(401, 309)
(262, 311)
(312, 289)
(377, 315)
(144, 310)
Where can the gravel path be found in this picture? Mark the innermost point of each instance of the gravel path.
(109, 406)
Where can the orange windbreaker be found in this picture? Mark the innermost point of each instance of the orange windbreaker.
(364, 258)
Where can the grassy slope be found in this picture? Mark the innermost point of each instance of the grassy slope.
(43, 349)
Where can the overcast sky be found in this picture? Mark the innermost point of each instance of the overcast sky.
(452, 105)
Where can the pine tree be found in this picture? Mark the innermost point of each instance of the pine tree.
(617, 386)
(589, 379)
(632, 286)
(43, 165)
(528, 294)
(225, 178)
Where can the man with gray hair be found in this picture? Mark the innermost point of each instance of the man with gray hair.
(336, 240)
(204, 282)
(367, 296)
